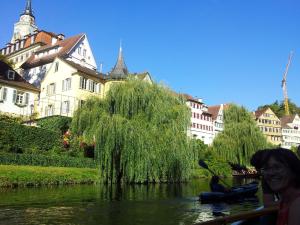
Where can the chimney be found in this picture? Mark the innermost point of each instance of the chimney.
(61, 37)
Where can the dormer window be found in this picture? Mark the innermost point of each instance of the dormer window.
(11, 75)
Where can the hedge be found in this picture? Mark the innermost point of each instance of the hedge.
(15, 137)
(22, 176)
(45, 160)
(55, 123)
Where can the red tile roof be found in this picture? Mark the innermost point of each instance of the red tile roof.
(66, 46)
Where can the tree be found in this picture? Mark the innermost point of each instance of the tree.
(240, 138)
(278, 108)
(139, 131)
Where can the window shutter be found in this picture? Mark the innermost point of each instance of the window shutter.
(4, 94)
(26, 98)
(15, 96)
(80, 83)
(63, 85)
(54, 88)
(47, 89)
(70, 83)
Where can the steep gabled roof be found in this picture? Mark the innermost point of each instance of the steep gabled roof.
(18, 80)
(120, 69)
(214, 110)
(287, 119)
(259, 112)
(66, 46)
(84, 70)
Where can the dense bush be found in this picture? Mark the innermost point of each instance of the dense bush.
(45, 160)
(18, 138)
(55, 123)
(21, 176)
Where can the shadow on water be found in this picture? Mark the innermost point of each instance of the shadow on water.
(112, 204)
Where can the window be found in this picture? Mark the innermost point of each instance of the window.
(3, 94)
(56, 66)
(49, 110)
(79, 50)
(84, 53)
(65, 107)
(10, 75)
(82, 83)
(66, 84)
(51, 89)
(81, 103)
(20, 98)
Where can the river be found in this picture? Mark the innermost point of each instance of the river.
(160, 204)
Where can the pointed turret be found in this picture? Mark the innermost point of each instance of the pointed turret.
(120, 69)
(26, 24)
(28, 9)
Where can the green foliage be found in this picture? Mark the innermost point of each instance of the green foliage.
(45, 160)
(55, 123)
(11, 119)
(240, 138)
(278, 108)
(15, 137)
(13, 176)
(139, 131)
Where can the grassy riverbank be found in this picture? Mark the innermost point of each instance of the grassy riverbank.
(22, 176)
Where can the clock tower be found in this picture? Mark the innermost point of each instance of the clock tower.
(26, 24)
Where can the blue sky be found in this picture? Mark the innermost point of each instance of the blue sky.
(220, 50)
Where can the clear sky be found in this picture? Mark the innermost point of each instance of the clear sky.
(220, 50)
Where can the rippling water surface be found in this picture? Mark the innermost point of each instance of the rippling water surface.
(128, 205)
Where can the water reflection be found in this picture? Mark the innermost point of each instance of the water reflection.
(126, 205)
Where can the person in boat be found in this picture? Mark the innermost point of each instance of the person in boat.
(269, 197)
(215, 186)
(281, 171)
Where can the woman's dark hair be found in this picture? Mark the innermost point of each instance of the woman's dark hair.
(257, 159)
(287, 158)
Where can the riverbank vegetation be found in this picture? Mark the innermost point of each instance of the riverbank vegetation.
(241, 137)
(26, 176)
(139, 133)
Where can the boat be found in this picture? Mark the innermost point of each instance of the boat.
(245, 218)
(236, 193)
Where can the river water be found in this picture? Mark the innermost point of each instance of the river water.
(164, 204)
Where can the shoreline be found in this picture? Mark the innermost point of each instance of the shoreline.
(12, 176)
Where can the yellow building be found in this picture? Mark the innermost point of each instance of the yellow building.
(269, 124)
(67, 85)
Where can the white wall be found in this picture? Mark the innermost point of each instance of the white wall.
(201, 128)
(8, 106)
(86, 60)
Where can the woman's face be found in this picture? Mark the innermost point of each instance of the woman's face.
(277, 175)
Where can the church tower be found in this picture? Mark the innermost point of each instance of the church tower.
(26, 24)
(120, 69)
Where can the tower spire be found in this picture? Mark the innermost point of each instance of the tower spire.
(120, 69)
(28, 9)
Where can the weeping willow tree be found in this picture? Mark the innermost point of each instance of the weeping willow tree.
(139, 132)
(240, 138)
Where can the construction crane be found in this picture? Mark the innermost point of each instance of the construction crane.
(284, 87)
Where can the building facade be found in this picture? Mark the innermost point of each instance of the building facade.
(269, 124)
(201, 120)
(17, 96)
(217, 113)
(290, 131)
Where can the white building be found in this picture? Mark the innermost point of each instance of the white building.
(201, 120)
(290, 131)
(17, 97)
(217, 113)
